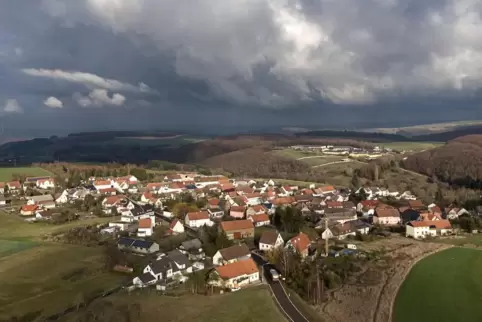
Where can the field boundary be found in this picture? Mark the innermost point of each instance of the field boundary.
(402, 280)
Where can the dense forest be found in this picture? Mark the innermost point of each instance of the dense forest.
(459, 162)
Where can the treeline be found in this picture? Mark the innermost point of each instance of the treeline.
(459, 162)
(259, 163)
(367, 136)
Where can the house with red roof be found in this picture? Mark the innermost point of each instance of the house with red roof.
(300, 243)
(197, 219)
(260, 220)
(367, 207)
(422, 229)
(28, 210)
(145, 227)
(176, 227)
(236, 274)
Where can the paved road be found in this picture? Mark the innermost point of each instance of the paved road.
(287, 307)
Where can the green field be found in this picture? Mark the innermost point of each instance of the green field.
(9, 247)
(445, 287)
(7, 173)
(252, 304)
(50, 278)
(14, 227)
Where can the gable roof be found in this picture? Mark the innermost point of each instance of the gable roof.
(437, 224)
(415, 204)
(259, 218)
(243, 267)
(300, 242)
(386, 211)
(145, 223)
(198, 215)
(236, 251)
(236, 225)
(237, 208)
(269, 237)
(174, 223)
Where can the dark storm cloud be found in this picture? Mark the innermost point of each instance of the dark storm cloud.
(241, 64)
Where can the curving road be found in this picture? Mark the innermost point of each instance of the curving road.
(282, 298)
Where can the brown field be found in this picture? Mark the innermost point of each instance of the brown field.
(369, 295)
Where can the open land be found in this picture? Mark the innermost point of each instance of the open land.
(252, 304)
(6, 174)
(369, 295)
(46, 277)
(414, 146)
(425, 128)
(14, 228)
(452, 283)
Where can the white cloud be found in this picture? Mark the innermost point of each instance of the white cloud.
(53, 102)
(12, 106)
(87, 79)
(98, 98)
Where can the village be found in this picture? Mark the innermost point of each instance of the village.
(242, 211)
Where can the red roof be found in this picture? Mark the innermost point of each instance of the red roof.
(238, 208)
(145, 223)
(259, 218)
(213, 202)
(300, 242)
(29, 208)
(198, 215)
(102, 183)
(283, 201)
(108, 190)
(173, 223)
(327, 188)
(2, 184)
(236, 225)
(334, 204)
(369, 203)
(243, 267)
(438, 224)
(258, 208)
(15, 184)
(111, 200)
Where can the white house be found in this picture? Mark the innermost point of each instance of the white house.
(270, 240)
(342, 231)
(422, 229)
(146, 226)
(453, 213)
(176, 227)
(102, 184)
(237, 274)
(63, 198)
(259, 220)
(386, 215)
(47, 183)
(122, 226)
(198, 219)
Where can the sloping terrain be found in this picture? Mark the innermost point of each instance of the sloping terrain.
(459, 161)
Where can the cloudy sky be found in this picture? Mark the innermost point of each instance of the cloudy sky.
(241, 64)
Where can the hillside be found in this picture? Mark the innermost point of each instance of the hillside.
(458, 162)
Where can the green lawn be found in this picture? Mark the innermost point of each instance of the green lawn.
(50, 277)
(7, 173)
(14, 227)
(252, 304)
(445, 287)
(9, 247)
(475, 239)
(293, 154)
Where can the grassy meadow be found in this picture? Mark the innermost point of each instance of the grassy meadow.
(45, 277)
(444, 287)
(252, 304)
(6, 174)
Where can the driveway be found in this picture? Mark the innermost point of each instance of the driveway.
(282, 298)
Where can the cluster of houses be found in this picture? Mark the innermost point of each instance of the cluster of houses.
(232, 267)
(354, 152)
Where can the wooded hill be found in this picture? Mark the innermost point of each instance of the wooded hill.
(458, 162)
